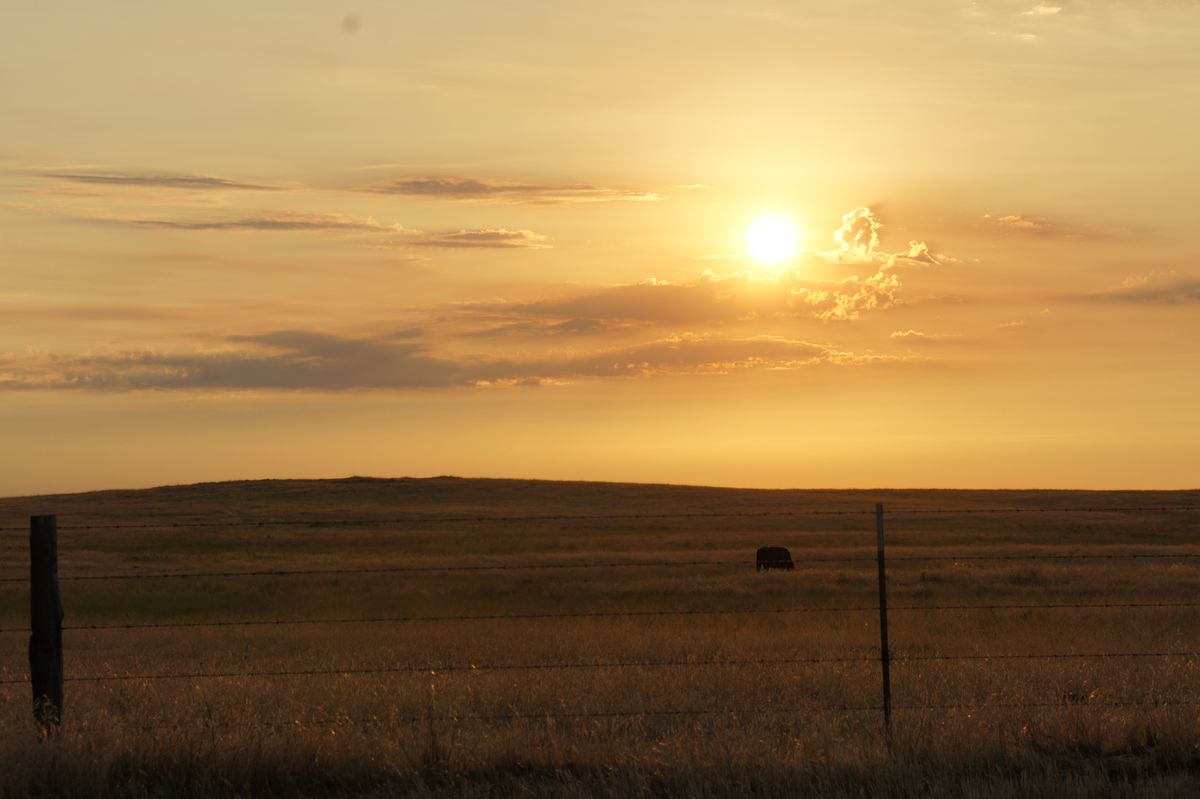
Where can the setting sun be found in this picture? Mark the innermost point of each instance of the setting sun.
(772, 239)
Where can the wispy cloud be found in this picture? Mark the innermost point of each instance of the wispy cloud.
(161, 181)
(1031, 226)
(479, 189)
(1150, 290)
(19, 313)
(269, 221)
(399, 235)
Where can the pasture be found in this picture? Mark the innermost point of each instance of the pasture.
(652, 659)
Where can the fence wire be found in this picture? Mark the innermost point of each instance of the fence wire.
(451, 668)
(301, 725)
(536, 566)
(607, 614)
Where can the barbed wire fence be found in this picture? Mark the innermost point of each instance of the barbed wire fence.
(47, 675)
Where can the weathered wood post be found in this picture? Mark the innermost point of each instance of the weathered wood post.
(885, 654)
(46, 615)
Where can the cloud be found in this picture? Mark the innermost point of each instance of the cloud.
(269, 221)
(710, 299)
(15, 313)
(919, 253)
(1137, 280)
(1040, 228)
(479, 189)
(848, 299)
(307, 360)
(553, 327)
(1149, 292)
(161, 181)
(706, 299)
(857, 241)
(917, 337)
(740, 296)
(1154, 287)
(498, 238)
(1042, 10)
(858, 237)
(691, 354)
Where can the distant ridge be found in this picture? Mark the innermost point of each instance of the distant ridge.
(365, 496)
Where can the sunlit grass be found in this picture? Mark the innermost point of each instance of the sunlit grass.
(976, 728)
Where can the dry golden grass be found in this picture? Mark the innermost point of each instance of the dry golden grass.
(997, 727)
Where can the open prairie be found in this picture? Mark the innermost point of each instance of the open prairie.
(519, 638)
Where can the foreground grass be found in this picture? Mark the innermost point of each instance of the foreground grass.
(251, 764)
(454, 719)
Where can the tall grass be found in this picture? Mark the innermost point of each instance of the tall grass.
(996, 727)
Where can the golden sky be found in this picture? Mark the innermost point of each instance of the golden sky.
(508, 239)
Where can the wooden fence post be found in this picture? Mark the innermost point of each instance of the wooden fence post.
(46, 615)
(885, 654)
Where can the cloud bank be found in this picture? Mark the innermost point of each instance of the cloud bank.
(307, 360)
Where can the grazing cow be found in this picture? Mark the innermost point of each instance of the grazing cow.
(774, 558)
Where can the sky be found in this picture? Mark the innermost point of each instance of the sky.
(315, 239)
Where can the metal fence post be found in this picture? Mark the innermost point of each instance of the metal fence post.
(885, 654)
(46, 615)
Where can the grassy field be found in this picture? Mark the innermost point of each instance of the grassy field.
(747, 684)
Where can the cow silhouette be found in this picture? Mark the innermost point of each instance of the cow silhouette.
(774, 558)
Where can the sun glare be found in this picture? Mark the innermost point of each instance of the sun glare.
(772, 239)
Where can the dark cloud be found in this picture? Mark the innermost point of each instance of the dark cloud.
(162, 181)
(459, 188)
(298, 359)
